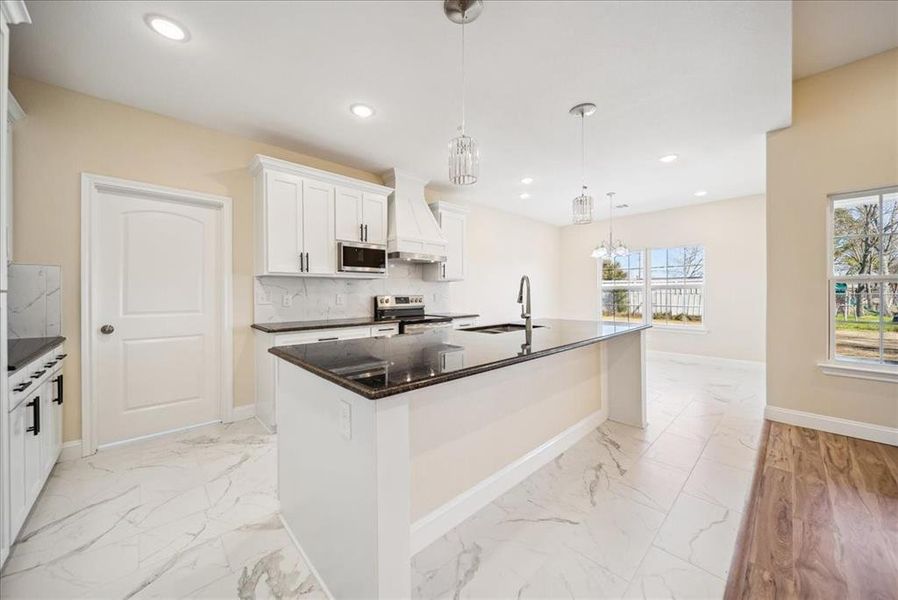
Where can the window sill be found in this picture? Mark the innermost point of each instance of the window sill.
(840, 368)
(675, 329)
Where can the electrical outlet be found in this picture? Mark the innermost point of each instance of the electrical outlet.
(346, 419)
(263, 296)
(340, 300)
(287, 300)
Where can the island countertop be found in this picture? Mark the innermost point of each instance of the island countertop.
(379, 367)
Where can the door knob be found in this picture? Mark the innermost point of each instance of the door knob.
(107, 329)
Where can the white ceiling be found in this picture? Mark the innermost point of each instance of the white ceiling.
(830, 33)
(704, 80)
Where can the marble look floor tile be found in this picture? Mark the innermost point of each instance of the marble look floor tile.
(572, 575)
(663, 575)
(701, 533)
(651, 484)
(719, 483)
(675, 450)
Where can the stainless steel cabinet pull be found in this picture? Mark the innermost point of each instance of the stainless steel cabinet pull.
(107, 329)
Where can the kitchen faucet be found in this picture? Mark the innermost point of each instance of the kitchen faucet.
(525, 305)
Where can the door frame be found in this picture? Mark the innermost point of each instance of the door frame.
(91, 186)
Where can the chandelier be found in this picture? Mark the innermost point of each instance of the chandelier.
(581, 208)
(464, 154)
(610, 248)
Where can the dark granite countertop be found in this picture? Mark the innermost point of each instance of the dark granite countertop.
(454, 315)
(287, 326)
(24, 350)
(380, 367)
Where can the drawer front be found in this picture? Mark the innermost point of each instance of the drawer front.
(33, 375)
(462, 323)
(385, 330)
(322, 335)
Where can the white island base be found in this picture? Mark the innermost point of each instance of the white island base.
(365, 484)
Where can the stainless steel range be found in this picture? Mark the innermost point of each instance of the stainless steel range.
(410, 312)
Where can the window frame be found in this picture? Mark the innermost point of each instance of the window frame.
(845, 365)
(646, 288)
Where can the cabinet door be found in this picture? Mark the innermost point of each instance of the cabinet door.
(318, 227)
(453, 227)
(34, 471)
(283, 216)
(18, 490)
(348, 215)
(48, 428)
(374, 217)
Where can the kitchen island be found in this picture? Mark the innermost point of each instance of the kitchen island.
(385, 444)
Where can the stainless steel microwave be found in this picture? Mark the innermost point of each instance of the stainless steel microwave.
(358, 257)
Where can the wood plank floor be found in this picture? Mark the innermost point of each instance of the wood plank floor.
(822, 519)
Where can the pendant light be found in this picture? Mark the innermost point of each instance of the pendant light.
(464, 154)
(610, 248)
(581, 209)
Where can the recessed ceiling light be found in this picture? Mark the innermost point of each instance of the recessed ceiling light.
(362, 111)
(701, 193)
(668, 158)
(167, 28)
(524, 196)
(527, 180)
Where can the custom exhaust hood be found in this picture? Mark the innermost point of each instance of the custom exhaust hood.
(414, 235)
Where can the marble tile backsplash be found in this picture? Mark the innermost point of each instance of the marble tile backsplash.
(35, 306)
(329, 298)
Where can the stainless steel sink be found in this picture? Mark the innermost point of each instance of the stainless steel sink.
(501, 328)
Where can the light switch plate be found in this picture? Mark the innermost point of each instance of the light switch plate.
(340, 299)
(287, 300)
(346, 419)
(263, 297)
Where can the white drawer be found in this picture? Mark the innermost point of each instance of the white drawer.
(23, 382)
(385, 330)
(462, 323)
(321, 335)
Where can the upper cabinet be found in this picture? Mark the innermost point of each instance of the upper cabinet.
(302, 213)
(453, 223)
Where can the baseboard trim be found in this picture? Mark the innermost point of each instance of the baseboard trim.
(305, 557)
(70, 450)
(437, 523)
(856, 429)
(706, 360)
(241, 413)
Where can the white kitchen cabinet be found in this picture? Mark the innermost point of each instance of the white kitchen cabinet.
(348, 221)
(18, 490)
(374, 218)
(317, 228)
(301, 212)
(453, 224)
(34, 464)
(360, 216)
(464, 322)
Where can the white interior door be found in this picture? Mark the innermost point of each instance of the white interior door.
(157, 293)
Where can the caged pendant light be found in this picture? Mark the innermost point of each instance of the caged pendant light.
(464, 154)
(581, 208)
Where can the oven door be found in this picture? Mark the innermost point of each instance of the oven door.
(361, 258)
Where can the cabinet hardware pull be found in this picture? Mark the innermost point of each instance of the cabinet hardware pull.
(301, 269)
(386, 329)
(361, 232)
(36, 415)
(58, 382)
(330, 339)
(308, 264)
(61, 356)
(22, 386)
(366, 233)
(49, 364)
(444, 269)
(38, 374)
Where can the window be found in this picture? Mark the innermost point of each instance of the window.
(863, 277)
(661, 286)
(623, 288)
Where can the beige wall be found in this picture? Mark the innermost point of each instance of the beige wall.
(732, 232)
(501, 248)
(844, 137)
(65, 133)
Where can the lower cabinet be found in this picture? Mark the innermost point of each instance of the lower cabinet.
(35, 442)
